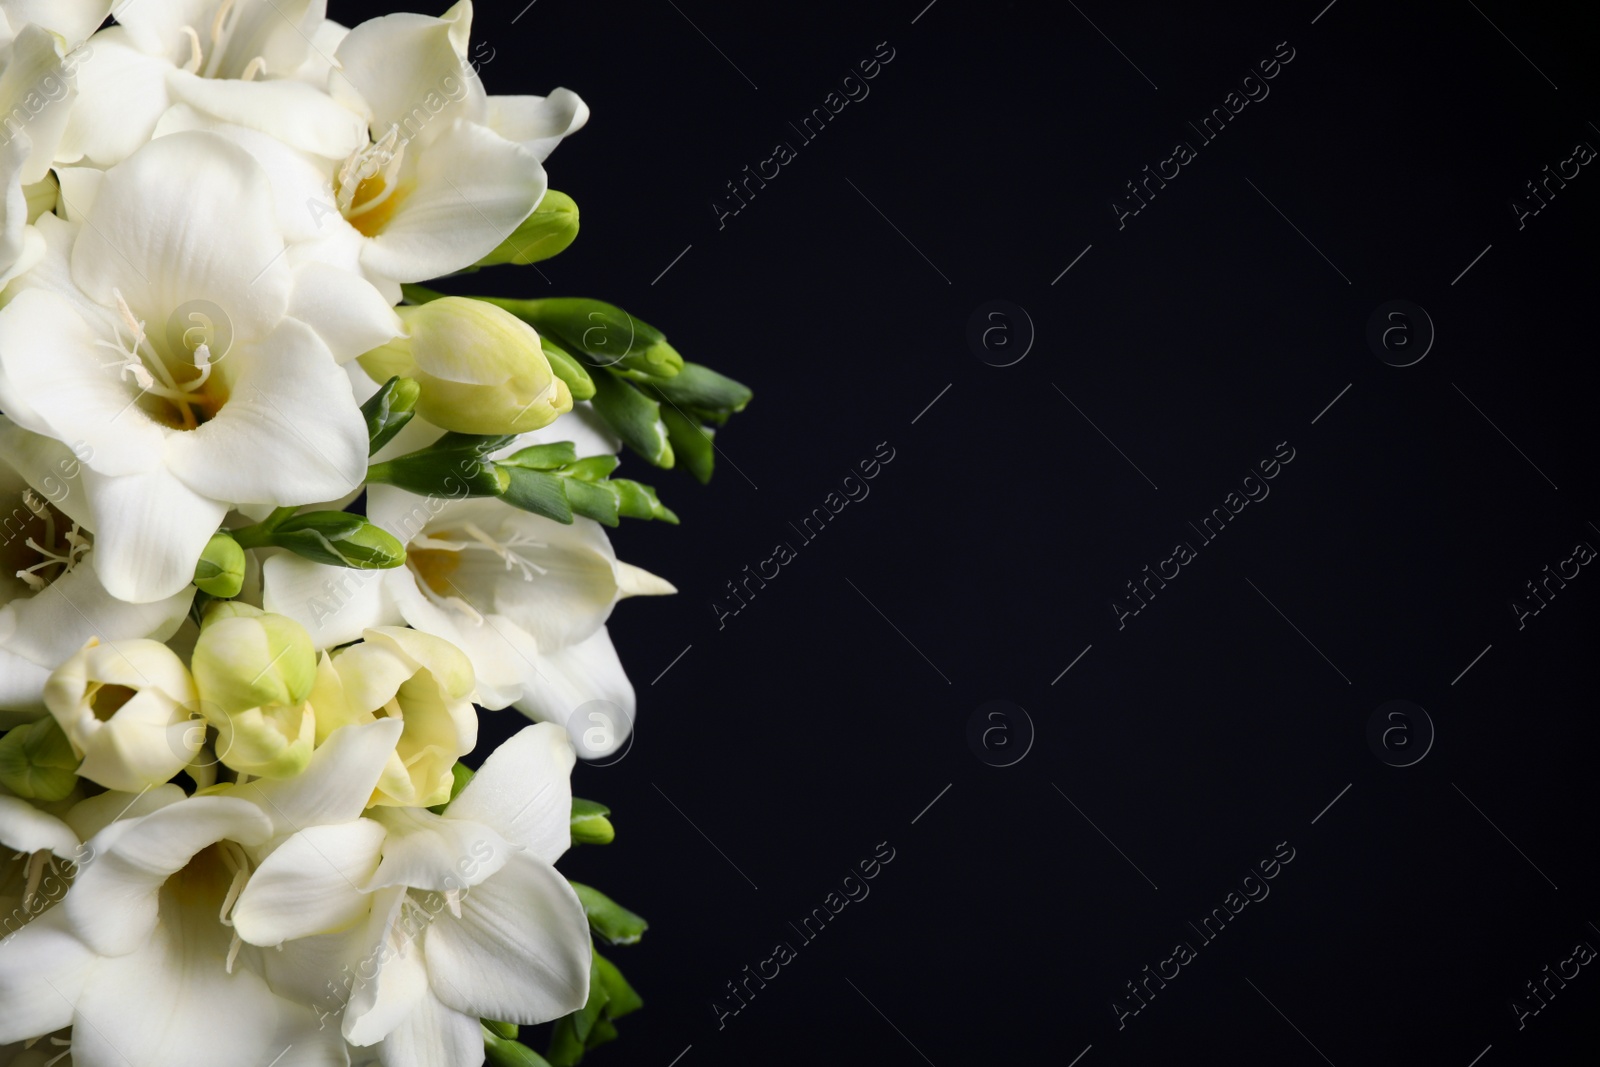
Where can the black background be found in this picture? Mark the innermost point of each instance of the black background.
(824, 717)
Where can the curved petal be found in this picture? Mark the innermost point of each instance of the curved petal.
(32, 85)
(428, 851)
(537, 123)
(113, 904)
(335, 785)
(388, 976)
(296, 113)
(433, 1035)
(121, 94)
(524, 792)
(334, 604)
(308, 885)
(289, 433)
(172, 1001)
(89, 817)
(520, 950)
(347, 312)
(408, 70)
(24, 828)
(72, 19)
(42, 972)
(210, 237)
(47, 465)
(149, 531)
(587, 673)
(57, 383)
(469, 190)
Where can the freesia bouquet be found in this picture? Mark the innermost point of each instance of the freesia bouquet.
(276, 522)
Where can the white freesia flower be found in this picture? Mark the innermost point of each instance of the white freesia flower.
(468, 918)
(51, 599)
(526, 598)
(237, 60)
(95, 348)
(37, 88)
(126, 707)
(139, 958)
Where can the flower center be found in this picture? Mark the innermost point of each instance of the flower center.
(368, 187)
(176, 388)
(435, 557)
(47, 545)
(213, 879)
(106, 700)
(206, 59)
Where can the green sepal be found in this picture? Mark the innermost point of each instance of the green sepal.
(36, 761)
(388, 410)
(691, 443)
(614, 924)
(543, 457)
(339, 539)
(566, 1047)
(589, 823)
(539, 492)
(569, 370)
(592, 468)
(623, 999)
(602, 334)
(593, 500)
(456, 465)
(505, 1031)
(698, 386)
(545, 233)
(603, 1033)
(504, 1052)
(635, 417)
(639, 501)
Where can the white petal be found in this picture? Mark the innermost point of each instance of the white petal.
(538, 123)
(433, 1035)
(587, 673)
(62, 387)
(295, 113)
(408, 70)
(24, 828)
(334, 604)
(32, 85)
(471, 189)
(520, 951)
(290, 432)
(524, 791)
(42, 971)
(47, 465)
(72, 19)
(121, 94)
(428, 851)
(171, 1001)
(113, 903)
(308, 885)
(186, 219)
(89, 817)
(335, 785)
(149, 531)
(350, 316)
(388, 976)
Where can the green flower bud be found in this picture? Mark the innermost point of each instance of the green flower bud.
(254, 672)
(454, 466)
(504, 1052)
(589, 823)
(480, 369)
(340, 539)
(568, 369)
(388, 410)
(507, 1031)
(545, 233)
(220, 571)
(602, 333)
(37, 761)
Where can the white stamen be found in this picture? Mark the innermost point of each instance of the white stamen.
(257, 65)
(196, 57)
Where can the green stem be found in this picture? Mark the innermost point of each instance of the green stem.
(260, 535)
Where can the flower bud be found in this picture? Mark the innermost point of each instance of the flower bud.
(254, 673)
(388, 410)
(220, 570)
(481, 370)
(339, 539)
(126, 708)
(545, 233)
(603, 333)
(37, 761)
(423, 680)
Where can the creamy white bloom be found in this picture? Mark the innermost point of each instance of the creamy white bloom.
(237, 60)
(139, 958)
(37, 88)
(467, 918)
(127, 709)
(51, 599)
(108, 342)
(526, 598)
